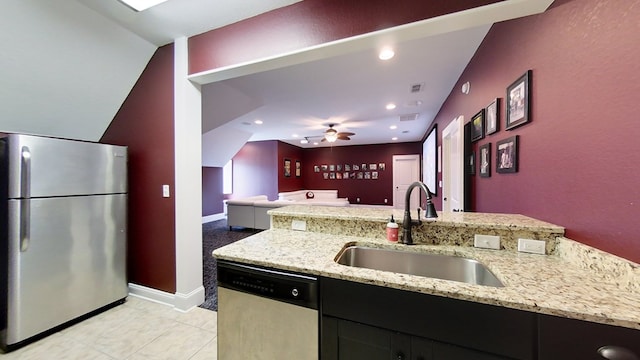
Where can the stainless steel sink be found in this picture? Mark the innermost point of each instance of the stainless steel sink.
(444, 267)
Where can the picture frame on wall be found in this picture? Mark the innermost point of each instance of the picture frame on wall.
(518, 102)
(507, 155)
(485, 160)
(287, 167)
(491, 113)
(477, 126)
(298, 168)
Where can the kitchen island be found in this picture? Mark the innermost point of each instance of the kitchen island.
(573, 281)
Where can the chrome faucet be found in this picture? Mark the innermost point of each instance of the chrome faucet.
(406, 222)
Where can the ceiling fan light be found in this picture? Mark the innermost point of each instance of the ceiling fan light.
(331, 136)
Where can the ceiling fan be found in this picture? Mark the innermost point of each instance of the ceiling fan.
(331, 135)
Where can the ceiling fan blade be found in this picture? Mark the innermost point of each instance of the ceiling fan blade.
(346, 134)
(343, 137)
(323, 139)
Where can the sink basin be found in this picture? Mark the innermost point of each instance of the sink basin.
(444, 267)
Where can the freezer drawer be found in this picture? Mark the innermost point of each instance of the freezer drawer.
(47, 167)
(66, 258)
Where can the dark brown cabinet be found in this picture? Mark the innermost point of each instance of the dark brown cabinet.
(361, 321)
(353, 341)
(429, 327)
(561, 338)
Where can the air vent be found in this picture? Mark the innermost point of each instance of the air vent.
(416, 88)
(409, 117)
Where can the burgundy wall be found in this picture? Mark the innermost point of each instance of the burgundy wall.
(579, 154)
(308, 23)
(368, 190)
(293, 153)
(148, 110)
(255, 170)
(212, 195)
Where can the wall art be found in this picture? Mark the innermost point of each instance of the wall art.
(491, 113)
(507, 155)
(477, 126)
(485, 160)
(518, 101)
(287, 167)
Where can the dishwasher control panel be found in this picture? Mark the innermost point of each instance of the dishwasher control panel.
(298, 289)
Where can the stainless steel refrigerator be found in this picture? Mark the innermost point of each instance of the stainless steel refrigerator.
(63, 232)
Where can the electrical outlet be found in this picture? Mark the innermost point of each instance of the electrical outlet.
(165, 191)
(299, 225)
(357, 200)
(487, 241)
(532, 246)
(385, 201)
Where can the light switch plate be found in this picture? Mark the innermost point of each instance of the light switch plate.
(532, 246)
(487, 241)
(299, 225)
(165, 191)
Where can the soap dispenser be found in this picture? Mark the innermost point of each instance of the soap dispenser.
(392, 230)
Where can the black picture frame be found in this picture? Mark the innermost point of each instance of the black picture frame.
(287, 168)
(484, 155)
(477, 126)
(518, 102)
(507, 155)
(492, 117)
(298, 168)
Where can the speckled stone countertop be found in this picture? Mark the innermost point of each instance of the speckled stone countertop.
(576, 281)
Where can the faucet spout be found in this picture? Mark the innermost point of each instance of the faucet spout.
(406, 222)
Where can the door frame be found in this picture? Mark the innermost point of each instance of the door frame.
(447, 187)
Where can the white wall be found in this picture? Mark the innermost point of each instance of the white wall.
(65, 69)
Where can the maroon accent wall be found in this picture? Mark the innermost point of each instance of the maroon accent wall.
(308, 23)
(255, 170)
(368, 190)
(579, 154)
(212, 196)
(293, 153)
(144, 123)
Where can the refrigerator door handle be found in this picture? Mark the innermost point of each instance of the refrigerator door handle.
(25, 193)
(25, 225)
(25, 173)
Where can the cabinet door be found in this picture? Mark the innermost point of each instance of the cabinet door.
(354, 341)
(451, 352)
(421, 349)
(562, 338)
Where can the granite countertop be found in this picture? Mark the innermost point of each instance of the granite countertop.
(558, 284)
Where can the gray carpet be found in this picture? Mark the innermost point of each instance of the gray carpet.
(216, 234)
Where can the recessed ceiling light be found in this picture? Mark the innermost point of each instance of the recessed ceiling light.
(386, 53)
(315, 143)
(139, 5)
(393, 127)
(259, 122)
(295, 135)
(391, 106)
(394, 138)
(304, 141)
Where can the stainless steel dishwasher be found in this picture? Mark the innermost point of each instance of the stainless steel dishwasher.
(266, 314)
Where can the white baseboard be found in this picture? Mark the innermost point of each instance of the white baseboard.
(186, 302)
(147, 293)
(214, 217)
(178, 301)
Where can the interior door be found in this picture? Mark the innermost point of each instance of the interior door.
(453, 166)
(406, 170)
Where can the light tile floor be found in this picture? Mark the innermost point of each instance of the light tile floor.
(136, 330)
